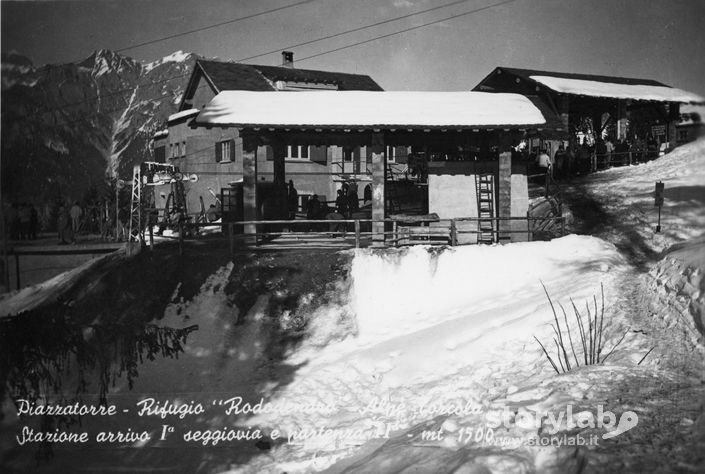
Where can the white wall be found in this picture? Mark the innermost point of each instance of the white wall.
(452, 196)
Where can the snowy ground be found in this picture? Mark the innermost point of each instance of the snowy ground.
(422, 360)
(456, 329)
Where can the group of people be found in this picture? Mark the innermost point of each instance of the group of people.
(22, 221)
(583, 159)
(26, 221)
(347, 202)
(68, 223)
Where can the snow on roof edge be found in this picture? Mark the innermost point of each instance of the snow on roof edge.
(182, 114)
(615, 90)
(370, 109)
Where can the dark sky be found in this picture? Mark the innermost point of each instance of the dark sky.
(656, 39)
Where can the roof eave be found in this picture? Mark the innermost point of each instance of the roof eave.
(376, 127)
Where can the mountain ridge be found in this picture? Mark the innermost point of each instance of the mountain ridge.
(69, 128)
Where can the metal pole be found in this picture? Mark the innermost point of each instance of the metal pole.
(658, 226)
(357, 233)
(151, 232)
(528, 226)
(17, 269)
(231, 229)
(181, 238)
(3, 230)
(117, 224)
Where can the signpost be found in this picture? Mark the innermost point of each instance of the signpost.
(658, 202)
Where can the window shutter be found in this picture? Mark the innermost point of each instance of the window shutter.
(319, 154)
(218, 153)
(269, 153)
(401, 153)
(159, 154)
(232, 150)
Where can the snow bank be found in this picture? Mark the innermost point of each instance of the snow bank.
(428, 327)
(678, 281)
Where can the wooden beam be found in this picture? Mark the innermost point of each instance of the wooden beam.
(249, 190)
(379, 167)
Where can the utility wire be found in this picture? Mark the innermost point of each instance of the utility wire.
(216, 25)
(452, 17)
(354, 30)
(121, 91)
(176, 35)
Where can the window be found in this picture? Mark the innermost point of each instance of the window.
(183, 150)
(297, 152)
(224, 151)
(348, 153)
(304, 198)
(160, 154)
(391, 154)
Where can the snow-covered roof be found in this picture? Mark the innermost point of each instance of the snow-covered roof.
(691, 114)
(161, 134)
(615, 90)
(368, 109)
(182, 114)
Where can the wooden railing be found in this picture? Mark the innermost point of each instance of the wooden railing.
(358, 233)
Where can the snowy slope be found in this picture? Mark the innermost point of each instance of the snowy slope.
(676, 251)
(456, 329)
(629, 192)
(423, 339)
(425, 329)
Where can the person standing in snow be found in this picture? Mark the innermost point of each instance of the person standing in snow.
(24, 217)
(341, 204)
(353, 199)
(33, 222)
(313, 211)
(544, 161)
(75, 214)
(609, 146)
(292, 200)
(62, 226)
(559, 159)
(600, 155)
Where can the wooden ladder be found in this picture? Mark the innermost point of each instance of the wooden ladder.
(487, 226)
(391, 191)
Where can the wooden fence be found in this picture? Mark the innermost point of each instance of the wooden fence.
(357, 233)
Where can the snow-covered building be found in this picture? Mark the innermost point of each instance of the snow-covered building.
(214, 154)
(467, 137)
(629, 108)
(691, 124)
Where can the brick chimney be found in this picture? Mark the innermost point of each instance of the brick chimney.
(288, 59)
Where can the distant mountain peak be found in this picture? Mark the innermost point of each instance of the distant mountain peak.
(104, 60)
(78, 122)
(175, 57)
